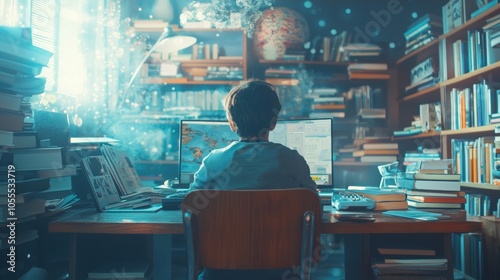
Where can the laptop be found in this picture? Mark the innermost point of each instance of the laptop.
(312, 138)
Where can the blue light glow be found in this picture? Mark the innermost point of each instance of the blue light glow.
(348, 11)
(308, 4)
(322, 23)
(392, 45)
(333, 31)
(414, 15)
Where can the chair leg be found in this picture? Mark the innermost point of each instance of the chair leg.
(188, 231)
(306, 247)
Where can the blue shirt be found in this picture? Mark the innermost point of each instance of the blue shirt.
(253, 165)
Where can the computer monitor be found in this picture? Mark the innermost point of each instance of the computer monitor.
(197, 139)
(312, 138)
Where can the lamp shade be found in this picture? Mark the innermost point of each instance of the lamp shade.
(175, 43)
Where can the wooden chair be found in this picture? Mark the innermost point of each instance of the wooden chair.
(252, 229)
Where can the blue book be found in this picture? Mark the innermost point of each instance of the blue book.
(484, 8)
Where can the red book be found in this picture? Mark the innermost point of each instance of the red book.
(458, 199)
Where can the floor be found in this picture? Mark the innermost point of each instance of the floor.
(331, 267)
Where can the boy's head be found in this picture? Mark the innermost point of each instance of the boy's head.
(252, 108)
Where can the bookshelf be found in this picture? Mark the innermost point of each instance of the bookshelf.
(459, 79)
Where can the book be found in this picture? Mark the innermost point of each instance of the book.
(11, 120)
(25, 139)
(27, 185)
(375, 152)
(122, 169)
(379, 146)
(390, 205)
(436, 185)
(438, 199)
(23, 210)
(407, 251)
(101, 182)
(414, 214)
(382, 195)
(6, 138)
(20, 67)
(439, 166)
(433, 176)
(14, 48)
(10, 101)
(417, 261)
(417, 204)
(435, 193)
(38, 158)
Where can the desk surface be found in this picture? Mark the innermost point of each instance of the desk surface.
(170, 222)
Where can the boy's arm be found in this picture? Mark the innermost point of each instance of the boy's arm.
(200, 179)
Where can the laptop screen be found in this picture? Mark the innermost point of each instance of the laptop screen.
(312, 138)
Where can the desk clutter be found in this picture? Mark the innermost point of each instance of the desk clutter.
(115, 184)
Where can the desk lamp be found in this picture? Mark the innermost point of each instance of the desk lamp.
(164, 44)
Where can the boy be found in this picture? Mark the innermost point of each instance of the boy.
(253, 162)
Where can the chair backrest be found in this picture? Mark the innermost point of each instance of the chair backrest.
(251, 229)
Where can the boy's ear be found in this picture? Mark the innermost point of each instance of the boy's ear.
(232, 125)
(273, 124)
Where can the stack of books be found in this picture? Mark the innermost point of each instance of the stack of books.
(422, 32)
(408, 263)
(377, 152)
(432, 184)
(363, 52)
(282, 76)
(385, 199)
(423, 75)
(21, 157)
(327, 102)
(421, 155)
(368, 71)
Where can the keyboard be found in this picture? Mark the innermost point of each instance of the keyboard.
(352, 201)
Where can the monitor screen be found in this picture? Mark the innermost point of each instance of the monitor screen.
(312, 138)
(197, 139)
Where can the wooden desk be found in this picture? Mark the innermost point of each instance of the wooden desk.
(357, 239)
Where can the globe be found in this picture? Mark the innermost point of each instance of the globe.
(277, 30)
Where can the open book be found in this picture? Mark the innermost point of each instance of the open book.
(103, 187)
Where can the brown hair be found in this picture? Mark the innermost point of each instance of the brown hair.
(253, 106)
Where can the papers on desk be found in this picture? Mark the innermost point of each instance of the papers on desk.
(414, 214)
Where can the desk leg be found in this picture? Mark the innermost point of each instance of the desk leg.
(72, 257)
(357, 256)
(448, 254)
(162, 256)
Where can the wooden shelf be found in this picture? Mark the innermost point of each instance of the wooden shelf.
(480, 186)
(486, 129)
(423, 49)
(166, 81)
(490, 73)
(305, 62)
(418, 136)
(357, 163)
(210, 62)
(426, 93)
